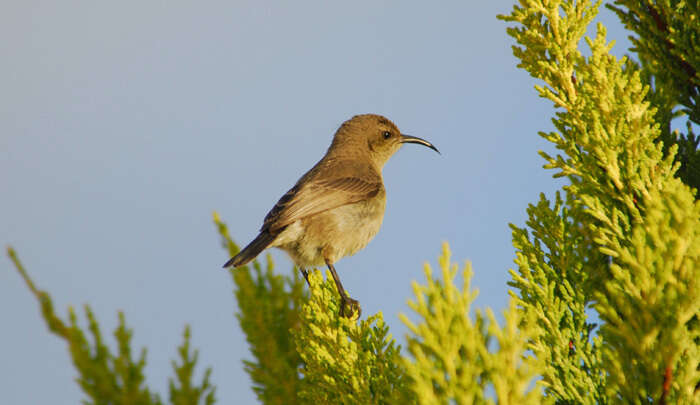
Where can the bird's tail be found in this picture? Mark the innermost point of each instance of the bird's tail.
(251, 251)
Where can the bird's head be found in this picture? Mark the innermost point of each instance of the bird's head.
(372, 136)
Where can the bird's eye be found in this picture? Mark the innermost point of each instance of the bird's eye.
(387, 134)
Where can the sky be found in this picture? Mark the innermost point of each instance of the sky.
(124, 125)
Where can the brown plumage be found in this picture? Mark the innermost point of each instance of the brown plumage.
(337, 207)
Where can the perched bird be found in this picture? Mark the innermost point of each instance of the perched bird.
(337, 207)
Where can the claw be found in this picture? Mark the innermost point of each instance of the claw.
(354, 307)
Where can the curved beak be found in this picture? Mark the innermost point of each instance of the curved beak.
(420, 141)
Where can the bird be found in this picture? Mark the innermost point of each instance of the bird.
(337, 207)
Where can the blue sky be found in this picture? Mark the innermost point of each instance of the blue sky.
(124, 125)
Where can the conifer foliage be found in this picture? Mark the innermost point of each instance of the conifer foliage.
(620, 240)
(667, 47)
(625, 203)
(108, 378)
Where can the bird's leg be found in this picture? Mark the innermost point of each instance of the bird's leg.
(344, 299)
(306, 275)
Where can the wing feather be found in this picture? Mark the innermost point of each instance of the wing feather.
(322, 190)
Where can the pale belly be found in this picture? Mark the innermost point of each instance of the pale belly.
(333, 234)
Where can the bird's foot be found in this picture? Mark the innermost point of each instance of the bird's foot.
(353, 306)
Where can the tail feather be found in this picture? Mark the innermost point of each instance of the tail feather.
(251, 251)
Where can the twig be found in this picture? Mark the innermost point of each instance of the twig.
(668, 378)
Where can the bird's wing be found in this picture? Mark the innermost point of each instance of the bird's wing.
(333, 186)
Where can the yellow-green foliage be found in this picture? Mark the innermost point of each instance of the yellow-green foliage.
(346, 361)
(635, 211)
(454, 358)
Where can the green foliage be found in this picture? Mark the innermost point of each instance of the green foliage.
(667, 45)
(182, 392)
(268, 308)
(688, 156)
(116, 379)
(556, 278)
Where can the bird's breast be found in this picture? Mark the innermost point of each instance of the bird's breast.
(333, 234)
(355, 225)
